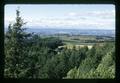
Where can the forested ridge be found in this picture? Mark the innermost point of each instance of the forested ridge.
(28, 55)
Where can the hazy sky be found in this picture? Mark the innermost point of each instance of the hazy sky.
(92, 16)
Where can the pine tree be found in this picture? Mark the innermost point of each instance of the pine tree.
(15, 47)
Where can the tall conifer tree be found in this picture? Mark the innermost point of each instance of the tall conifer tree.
(15, 47)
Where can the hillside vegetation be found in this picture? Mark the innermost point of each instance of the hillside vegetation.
(29, 55)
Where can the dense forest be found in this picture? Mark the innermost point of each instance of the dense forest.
(28, 55)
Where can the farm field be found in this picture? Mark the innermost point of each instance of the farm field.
(79, 41)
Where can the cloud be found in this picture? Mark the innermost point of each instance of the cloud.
(97, 19)
(72, 14)
(76, 23)
(98, 13)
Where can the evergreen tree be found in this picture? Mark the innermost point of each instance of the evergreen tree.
(89, 68)
(15, 48)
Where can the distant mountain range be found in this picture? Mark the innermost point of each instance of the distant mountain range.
(49, 31)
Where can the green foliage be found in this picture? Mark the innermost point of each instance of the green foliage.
(89, 68)
(29, 55)
(72, 74)
(14, 48)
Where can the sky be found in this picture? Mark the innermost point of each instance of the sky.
(77, 16)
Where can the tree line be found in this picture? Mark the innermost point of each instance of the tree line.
(28, 55)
